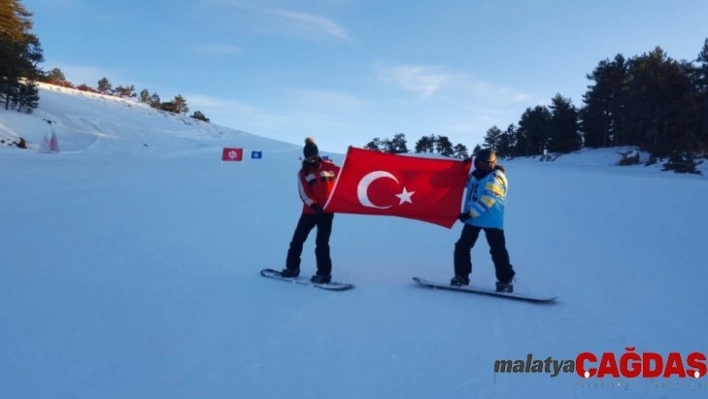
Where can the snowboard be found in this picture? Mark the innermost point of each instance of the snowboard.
(485, 291)
(331, 286)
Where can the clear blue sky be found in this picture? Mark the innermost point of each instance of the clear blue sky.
(346, 71)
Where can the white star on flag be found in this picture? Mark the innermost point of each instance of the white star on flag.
(405, 196)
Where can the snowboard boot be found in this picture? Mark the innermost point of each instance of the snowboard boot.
(290, 273)
(321, 278)
(505, 287)
(459, 281)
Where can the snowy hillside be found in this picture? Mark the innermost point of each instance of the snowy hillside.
(91, 124)
(129, 269)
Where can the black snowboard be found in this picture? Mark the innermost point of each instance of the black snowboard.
(485, 291)
(332, 286)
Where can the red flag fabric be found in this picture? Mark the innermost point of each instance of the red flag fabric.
(232, 154)
(414, 187)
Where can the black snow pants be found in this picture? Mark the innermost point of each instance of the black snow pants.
(497, 248)
(304, 226)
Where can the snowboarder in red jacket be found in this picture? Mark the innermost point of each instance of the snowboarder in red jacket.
(315, 181)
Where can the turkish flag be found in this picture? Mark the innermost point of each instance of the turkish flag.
(377, 183)
(232, 154)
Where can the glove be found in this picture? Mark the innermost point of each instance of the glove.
(318, 209)
(464, 216)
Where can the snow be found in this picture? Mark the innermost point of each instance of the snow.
(129, 268)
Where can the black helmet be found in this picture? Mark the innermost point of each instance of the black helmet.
(486, 155)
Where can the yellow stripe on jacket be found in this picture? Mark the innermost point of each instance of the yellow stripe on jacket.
(494, 189)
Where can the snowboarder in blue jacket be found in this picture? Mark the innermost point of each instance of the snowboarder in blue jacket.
(485, 198)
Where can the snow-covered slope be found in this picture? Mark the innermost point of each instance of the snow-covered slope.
(92, 124)
(129, 269)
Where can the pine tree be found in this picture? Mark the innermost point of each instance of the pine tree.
(603, 117)
(180, 105)
(398, 145)
(200, 116)
(425, 144)
(155, 101)
(532, 134)
(563, 130)
(20, 54)
(104, 86)
(700, 78)
(460, 151)
(85, 87)
(125, 91)
(443, 146)
(168, 106)
(56, 76)
(662, 117)
(145, 96)
(506, 143)
(374, 145)
(28, 97)
(491, 139)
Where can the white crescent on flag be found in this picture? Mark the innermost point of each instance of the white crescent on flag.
(362, 189)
